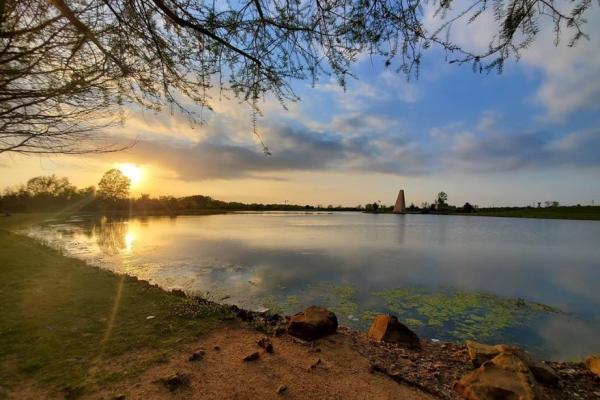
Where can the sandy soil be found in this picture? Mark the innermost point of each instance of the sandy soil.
(342, 366)
(341, 373)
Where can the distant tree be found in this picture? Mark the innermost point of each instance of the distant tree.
(441, 198)
(89, 191)
(50, 186)
(375, 206)
(425, 205)
(113, 186)
(468, 208)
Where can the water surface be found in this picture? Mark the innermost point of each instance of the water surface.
(530, 282)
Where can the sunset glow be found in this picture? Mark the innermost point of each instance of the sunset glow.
(133, 172)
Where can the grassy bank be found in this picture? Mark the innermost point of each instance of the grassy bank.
(579, 213)
(576, 213)
(62, 322)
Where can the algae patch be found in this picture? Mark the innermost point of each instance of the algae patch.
(463, 315)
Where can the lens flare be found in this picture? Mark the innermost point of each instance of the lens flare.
(132, 171)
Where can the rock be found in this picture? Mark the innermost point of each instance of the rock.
(178, 293)
(252, 356)
(281, 389)
(387, 328)
(511, 362)
(198, 355)
(505, 377)
(593, 363)
(480, 353)
(313, 323)
(541, 371)
(176, 381)
(315, 364)
(266, 344)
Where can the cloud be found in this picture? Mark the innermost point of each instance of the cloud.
(501, 151)
(489, 119)
(368, 148)
(357, 123)
(570, 75)
(359, 95)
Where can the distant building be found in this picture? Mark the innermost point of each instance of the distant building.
(400, 206)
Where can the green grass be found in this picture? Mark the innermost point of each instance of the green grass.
(63, 322)
(581, 213)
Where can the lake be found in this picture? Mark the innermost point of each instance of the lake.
(531, 282)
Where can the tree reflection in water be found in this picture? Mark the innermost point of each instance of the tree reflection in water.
(113, 235)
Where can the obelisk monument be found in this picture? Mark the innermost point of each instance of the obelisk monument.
(400, 207)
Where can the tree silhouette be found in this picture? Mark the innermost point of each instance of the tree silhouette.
(113, 186)
(442, 198)
(69, 68)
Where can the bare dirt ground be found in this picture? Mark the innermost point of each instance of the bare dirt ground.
(328, 369)
(342, 366)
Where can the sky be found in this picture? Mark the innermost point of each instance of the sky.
(528, 135)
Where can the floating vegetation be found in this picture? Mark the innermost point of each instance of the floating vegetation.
(341, 300)
(445, 313)
(292, 301)
(272, 304)
(463, 315)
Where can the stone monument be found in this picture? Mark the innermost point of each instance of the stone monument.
(400, 207)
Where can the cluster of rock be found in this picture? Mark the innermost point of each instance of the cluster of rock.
(316, 322)
(501, 371)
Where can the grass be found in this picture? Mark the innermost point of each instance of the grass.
(62, 321)
(580, 213)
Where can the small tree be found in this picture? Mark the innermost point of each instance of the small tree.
(468, 208)
(441, 198)
(113, 186)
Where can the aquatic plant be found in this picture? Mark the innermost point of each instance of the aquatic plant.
(462, 314)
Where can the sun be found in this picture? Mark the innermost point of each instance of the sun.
(132, 171)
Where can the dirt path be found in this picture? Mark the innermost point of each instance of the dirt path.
(341, 373)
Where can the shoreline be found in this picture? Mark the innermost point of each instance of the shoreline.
(432, 370)
(570, 213)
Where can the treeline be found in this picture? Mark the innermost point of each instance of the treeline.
(51, 193)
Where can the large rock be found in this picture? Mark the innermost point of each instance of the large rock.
(505, 377)
(593, 363)
(312, 323)
(541, 371)
(480, 353)
(387, 328)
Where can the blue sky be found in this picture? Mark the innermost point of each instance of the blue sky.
(530, 134)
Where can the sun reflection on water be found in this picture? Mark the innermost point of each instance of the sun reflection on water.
(129, 240)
